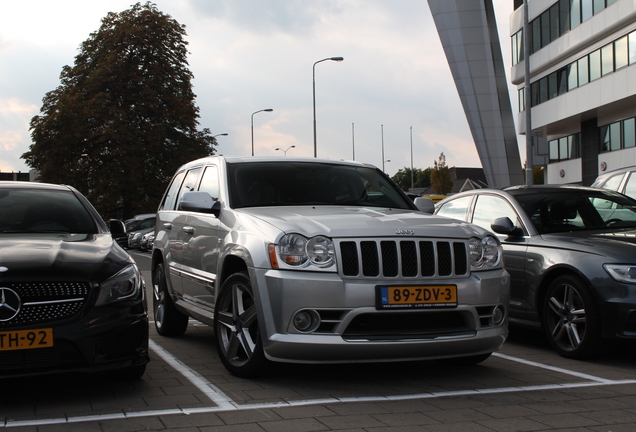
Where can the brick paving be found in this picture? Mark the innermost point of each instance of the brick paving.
(549, 393)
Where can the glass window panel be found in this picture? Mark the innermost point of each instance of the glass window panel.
(629, 133)
(586, 10)
(490, 207)
(564, 16)
(543, 89)
(513, 49)
(609, 2)
(599, 5)
(607, 59)
(554, 22)
(553, 88)
(210, 182)
(614, 182)
(554, 150)
(574, 146)
(605, 138)
(536, 34)
(456, 209)
(575, 13)
(630, 186)
(595, 65)
(615, 136)
(584, 76)
(522, 99)
(573, 76)
(632, 47)
(563, 148)
(534, 90)
(545, 28)
(621, 54)
(562, 81)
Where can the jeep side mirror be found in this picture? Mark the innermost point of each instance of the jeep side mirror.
(425, 205)
(200, 202)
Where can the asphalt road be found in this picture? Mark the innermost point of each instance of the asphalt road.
(525, 387)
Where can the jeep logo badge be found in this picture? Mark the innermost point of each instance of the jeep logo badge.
(405, 232)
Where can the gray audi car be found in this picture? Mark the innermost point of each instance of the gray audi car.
(571, 255)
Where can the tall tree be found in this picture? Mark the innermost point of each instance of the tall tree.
(124, 118)
(421, 178)
(441, 180)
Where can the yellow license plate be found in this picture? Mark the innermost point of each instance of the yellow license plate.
(25, 339)
(416, 296)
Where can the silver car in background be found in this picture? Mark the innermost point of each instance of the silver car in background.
(321, 261)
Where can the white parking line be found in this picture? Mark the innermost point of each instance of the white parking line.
(224, 403)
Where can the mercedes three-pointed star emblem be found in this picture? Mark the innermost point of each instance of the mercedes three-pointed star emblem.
(9, 304)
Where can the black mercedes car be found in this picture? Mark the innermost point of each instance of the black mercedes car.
(71, 299)
(571, 254)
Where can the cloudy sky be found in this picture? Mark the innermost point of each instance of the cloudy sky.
(249, 55)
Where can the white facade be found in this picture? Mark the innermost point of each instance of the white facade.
(587, 110)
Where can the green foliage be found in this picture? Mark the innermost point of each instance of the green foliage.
(421, 178)
(124, 118)
(441, 180)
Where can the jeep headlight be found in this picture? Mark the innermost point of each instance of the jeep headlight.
(485, 253)
(298, 251)
(123, 285)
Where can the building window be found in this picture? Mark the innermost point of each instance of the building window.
(607, 59)
(632, 47)
(564, 148)
(629, 133)
(621, 53)
(595, 65)
(584, 74)
(618, 135)
(573, 76)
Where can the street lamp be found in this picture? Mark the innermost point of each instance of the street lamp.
(338, 59)
(223, 134)
(285, 151)
(267, 110)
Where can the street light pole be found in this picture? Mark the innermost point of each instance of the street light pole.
(267, 110)
(338, 59)
(285, 151)
(382, 135)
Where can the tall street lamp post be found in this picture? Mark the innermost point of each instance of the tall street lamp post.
(338, 59)
(214, 136)
(267, 110)
(285, 151)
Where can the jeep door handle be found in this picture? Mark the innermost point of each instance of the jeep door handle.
(188, 230)
(167, 226)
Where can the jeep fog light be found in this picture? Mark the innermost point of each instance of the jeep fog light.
(498, 315)
(306, 321)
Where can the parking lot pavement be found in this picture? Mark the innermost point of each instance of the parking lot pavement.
(525, 387)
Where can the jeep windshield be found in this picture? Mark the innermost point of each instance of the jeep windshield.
(263, 184)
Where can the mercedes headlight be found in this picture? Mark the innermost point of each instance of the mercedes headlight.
(123, 285)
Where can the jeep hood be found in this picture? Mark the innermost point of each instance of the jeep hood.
(338, 222)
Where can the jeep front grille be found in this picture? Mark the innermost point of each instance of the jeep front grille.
(402, 258)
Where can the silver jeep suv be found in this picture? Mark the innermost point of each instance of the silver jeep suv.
(321, 261)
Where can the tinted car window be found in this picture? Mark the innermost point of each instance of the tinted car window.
(189, 183)
(578, 210)
(27, 210)
(489, 207)
(614, 182)
(210, 182)
(171, 195)
(311, 184)
(456, 208)
(630, 186)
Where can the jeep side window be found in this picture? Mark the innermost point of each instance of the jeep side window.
(171, 196)
(210, 182)
(189, 183)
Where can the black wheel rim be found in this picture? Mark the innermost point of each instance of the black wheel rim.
(237, 324)
(566, 317)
